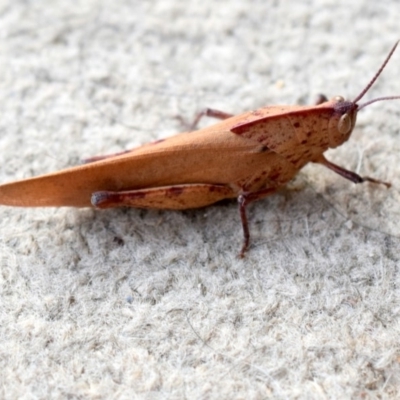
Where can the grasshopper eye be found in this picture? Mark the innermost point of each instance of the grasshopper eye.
(345, 124)
(338, 99)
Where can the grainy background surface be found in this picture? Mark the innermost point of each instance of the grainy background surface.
(149, 304)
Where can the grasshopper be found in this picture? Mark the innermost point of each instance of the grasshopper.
(247, 157)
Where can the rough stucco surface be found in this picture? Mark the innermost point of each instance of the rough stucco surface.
(150, 304)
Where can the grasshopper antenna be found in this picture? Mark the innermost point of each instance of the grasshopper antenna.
(372, 81)
(377, 99)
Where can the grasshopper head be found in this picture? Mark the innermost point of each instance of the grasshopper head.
(342, 121)
(345, 112)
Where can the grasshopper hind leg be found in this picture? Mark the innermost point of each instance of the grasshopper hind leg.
(181, 197)
(244, 200)
(176, 197)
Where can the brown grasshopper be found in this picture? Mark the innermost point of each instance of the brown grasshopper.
(247, 157)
